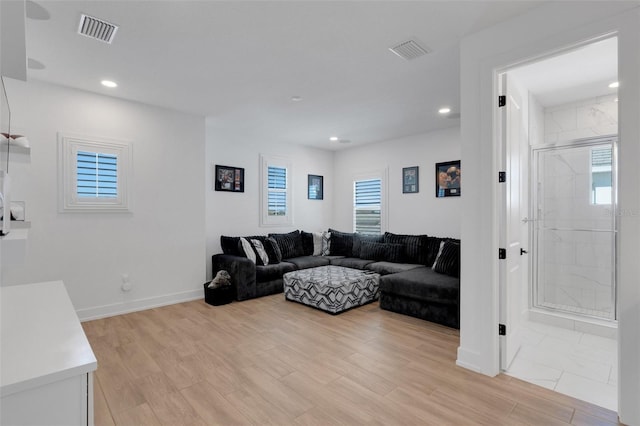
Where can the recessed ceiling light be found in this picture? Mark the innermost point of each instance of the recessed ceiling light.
(444, 110)
(333, 139)
(296, 98)
(615, 100)
(109, 83)
(614, 85)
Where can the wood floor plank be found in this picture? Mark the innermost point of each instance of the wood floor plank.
(102, 414)
(269, 361)
(212, 407)
(138, 415)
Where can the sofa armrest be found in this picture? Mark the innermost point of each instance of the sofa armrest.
(242, 271)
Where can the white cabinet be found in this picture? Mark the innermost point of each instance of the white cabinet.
(46, 364)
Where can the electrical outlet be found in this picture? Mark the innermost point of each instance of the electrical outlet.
(126, 285)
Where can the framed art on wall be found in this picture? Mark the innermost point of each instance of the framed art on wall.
(448, 175)
(315, 186)
(230, 179)
(410, 180)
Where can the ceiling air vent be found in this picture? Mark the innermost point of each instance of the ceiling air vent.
(97, 29)
(409, 49)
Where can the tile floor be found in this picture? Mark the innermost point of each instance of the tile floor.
(578, 364)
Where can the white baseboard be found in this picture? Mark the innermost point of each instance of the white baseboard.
(471, 361)
(104, 311)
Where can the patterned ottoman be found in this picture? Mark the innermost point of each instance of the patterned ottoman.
(331, 288)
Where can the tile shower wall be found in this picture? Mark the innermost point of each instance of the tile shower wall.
(575, 266)
(583, 119)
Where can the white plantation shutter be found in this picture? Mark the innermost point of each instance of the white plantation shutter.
(367, 206)
(276, 202)
(277, 191)
(97, 174)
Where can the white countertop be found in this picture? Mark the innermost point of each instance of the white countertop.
(41, 339)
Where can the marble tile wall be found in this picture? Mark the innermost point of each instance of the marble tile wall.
(583, 119)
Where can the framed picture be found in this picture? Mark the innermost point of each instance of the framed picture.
(315, 186)
(230, 179)
(448, 176)
(410, 180)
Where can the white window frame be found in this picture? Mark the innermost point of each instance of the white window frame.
(274, 161)
(377, 174)
(68, 199)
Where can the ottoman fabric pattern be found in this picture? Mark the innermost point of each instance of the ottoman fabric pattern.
(331, 288)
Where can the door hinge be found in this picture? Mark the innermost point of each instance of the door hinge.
(502, 330)
(502, 253)
(502, 177)
(502, 101)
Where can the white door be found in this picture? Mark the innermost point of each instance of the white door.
(512, 282)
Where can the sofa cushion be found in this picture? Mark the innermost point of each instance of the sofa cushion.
(448, 259)
(306, 238)
(382, 251)
(304, 262)
(422, 284)
(350, 262)
(384, 268)
(273, 272)
(341, 243)
(290, 244)
(415, 246)
(359, 238)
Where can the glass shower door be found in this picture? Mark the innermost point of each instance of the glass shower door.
(574, 229)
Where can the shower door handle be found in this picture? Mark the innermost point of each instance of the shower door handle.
(523, 251)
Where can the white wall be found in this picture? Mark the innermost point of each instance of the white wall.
(407, 213)
(159, 245)
(238, 214)
(530, 35)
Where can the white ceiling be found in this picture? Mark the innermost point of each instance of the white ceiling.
(581, 73)
(239, 62)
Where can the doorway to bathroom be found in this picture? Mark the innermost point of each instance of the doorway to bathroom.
(562, 297)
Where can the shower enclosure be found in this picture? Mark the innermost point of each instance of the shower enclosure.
(574, 228)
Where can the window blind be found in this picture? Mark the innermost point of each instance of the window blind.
(277, 191)
(97, 175)
(367, 206)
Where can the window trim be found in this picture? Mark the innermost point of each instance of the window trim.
(68, 199)
(274, 161)
(376, 174)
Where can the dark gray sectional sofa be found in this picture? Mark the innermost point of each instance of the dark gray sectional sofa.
(410, 283)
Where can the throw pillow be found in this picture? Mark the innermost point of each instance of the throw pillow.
(229, 245)
(448, 260)
(341, 243)
(260, 251)
(307, 243)
(272, 249)
(433, 247)
(290, 244)
(326, 243)
(359, 238)
(317, 243)
(247, 249)
(382, 252)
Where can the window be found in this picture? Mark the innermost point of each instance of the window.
(601, 175)
(276, 204)
(367, 206)
(97, 175)
(93, 174)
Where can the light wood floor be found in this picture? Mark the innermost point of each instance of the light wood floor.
(268, 361)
